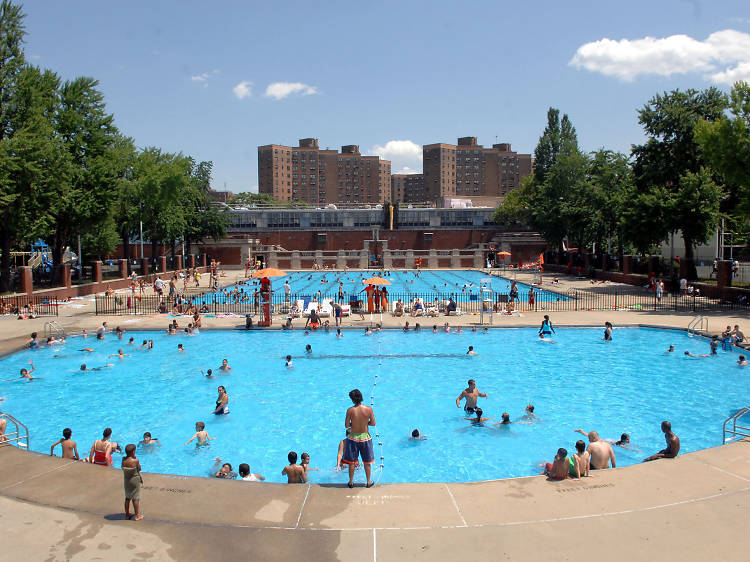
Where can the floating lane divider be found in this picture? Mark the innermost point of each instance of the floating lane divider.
(381, 466)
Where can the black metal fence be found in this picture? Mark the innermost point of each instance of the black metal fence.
(574, 300)
(25, 306)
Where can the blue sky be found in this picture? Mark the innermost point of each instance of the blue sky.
(215, 80)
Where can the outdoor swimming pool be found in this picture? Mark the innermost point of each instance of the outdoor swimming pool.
(464, 284)
(628, 385)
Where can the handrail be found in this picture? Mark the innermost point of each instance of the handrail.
(54, 328)
(8, 438)
(744, 431)
(698, 323)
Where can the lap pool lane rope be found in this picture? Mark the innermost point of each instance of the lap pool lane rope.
(372, 405)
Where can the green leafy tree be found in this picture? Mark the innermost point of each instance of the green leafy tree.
(725, 144)
(559, 137)
(88, 134)
(671, 162)
(203, 218)
(611, 178)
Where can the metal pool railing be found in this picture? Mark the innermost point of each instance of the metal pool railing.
(546, 300)
(21, 432)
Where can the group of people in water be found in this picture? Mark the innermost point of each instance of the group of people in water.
(599, 454)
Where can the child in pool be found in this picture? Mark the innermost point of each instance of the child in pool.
(201, 434)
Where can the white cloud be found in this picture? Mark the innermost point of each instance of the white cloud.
(732, 75)
(205, 77)
(243, 90)
(281, 90)
(403, 154)
(677, 54)
(407, 170)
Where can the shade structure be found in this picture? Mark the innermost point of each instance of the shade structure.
(269, 272)
(376, 281)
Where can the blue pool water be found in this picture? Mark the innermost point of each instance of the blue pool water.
(465, 284)
(628, 385)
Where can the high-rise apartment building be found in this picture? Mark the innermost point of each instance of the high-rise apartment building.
(468, 170)
(408, 188)
(319, 177)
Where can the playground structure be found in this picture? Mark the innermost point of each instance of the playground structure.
(40, 258)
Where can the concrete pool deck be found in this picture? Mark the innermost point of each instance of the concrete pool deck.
(689, 508)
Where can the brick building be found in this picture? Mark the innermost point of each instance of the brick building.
(408, 188)
(468, 170)
(319, 177)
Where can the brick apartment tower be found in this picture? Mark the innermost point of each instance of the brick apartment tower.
(320, 177)
(468, 170)
(408, 188)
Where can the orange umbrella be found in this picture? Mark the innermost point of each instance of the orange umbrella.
(376, 281)
(269, 272)
(503, 253)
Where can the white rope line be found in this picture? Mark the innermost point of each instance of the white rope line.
(372, 404)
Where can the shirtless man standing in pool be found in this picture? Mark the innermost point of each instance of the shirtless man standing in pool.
(358, 442)
(471, 394)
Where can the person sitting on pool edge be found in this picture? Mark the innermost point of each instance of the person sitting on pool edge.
(558, 468)
(600, 450)
(580, 462)
(673, 444)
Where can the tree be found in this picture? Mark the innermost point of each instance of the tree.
(559, 137)
(611, 177)
(88, 134)
(670, 167)
(203, 218)
(725, 144)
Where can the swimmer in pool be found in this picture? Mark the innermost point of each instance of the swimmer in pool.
(225, 365)
(417, 436)
(144, 345)
(84, 368)
(148, 442)
(27, 374)
(529, 413)
(471, 351)
(697, 356)
(120, 354)
(471, 393)
(741, 361)
(201, 434)
(505, 419)
(478, 420)
(87, 350)
(546, 327)
(288, 361)
(623, 442)
(222, 402)
(670, 350)
(308, 349)
(179, 347)
(209, 374)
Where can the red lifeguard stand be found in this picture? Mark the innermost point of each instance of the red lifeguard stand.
(266, 292)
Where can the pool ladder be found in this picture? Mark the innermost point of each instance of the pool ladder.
(735, 430)
(53, 328)
(20, 434)
(697, 324)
